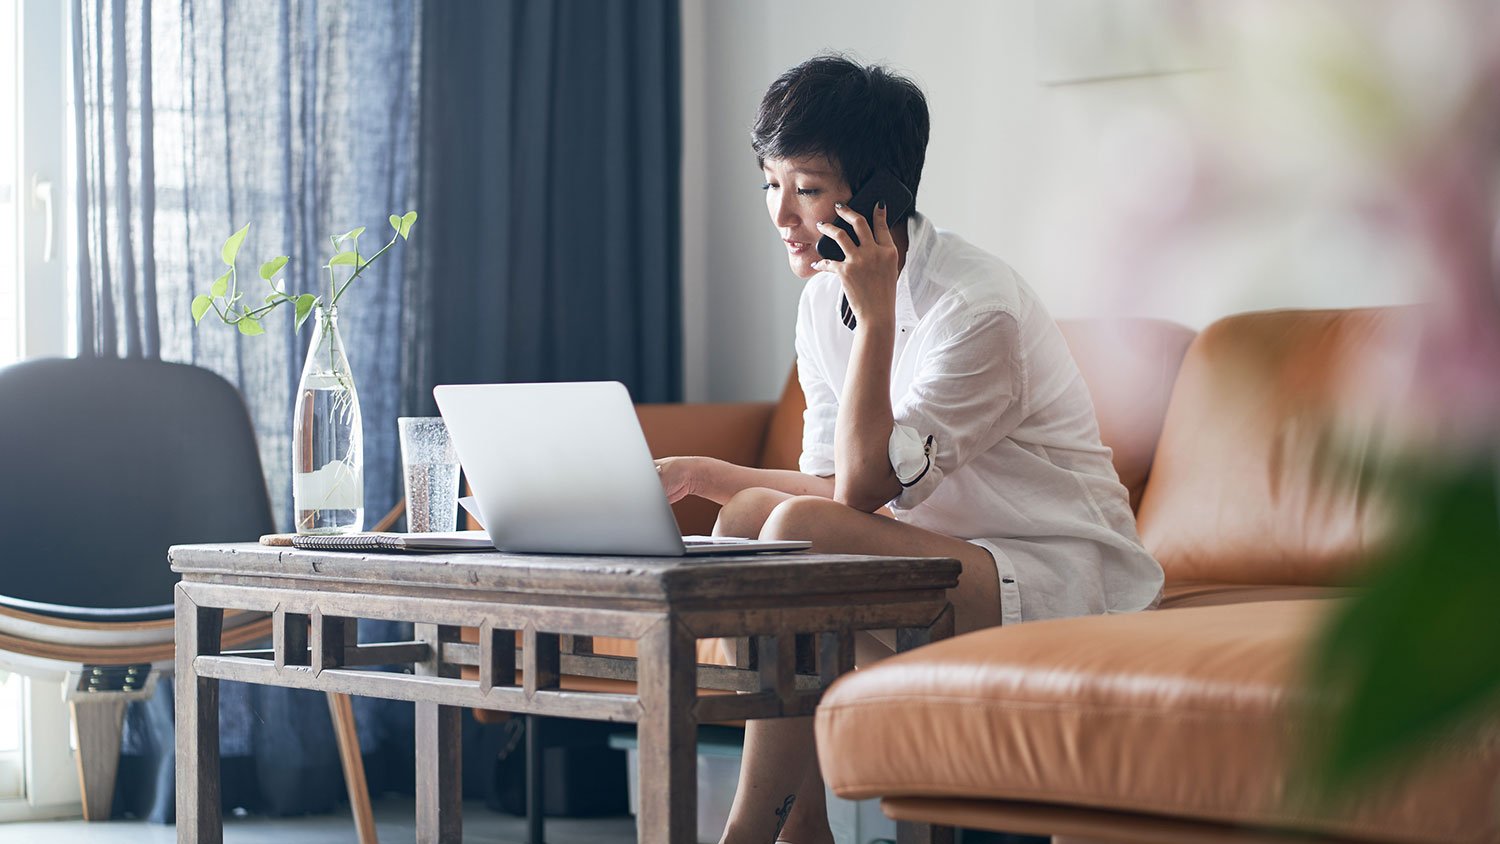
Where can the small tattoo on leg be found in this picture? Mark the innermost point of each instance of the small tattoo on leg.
(784, 812)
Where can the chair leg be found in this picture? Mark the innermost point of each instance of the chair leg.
(97, 725)
(354, 767)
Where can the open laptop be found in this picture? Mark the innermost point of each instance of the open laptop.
(564, 469)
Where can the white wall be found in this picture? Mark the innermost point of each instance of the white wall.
(1005, 146)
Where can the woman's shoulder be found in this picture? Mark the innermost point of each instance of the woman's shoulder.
(961, 277)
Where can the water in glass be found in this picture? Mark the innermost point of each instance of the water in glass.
(328, 487)
(431, 497)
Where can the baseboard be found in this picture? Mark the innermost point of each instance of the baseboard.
(19, 809)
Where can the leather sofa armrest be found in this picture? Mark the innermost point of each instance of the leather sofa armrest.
(733, 432)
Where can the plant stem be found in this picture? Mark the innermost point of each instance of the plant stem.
(332, 285)
(360, 268)
(262, 309)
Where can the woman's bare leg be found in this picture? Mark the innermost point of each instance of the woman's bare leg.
(745, 514)
(769, 786)
(778, 756)
(764, 739)
(809, 823)
(779, 753)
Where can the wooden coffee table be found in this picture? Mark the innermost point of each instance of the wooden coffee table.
(800, 612)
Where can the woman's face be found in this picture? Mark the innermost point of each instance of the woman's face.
(800, 193)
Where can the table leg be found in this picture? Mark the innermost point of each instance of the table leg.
(198, 631)
(667, 735)
(543, 671)
(439, 764)
(907, 638)
(534, 781)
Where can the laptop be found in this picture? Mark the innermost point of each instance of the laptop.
(564, 469)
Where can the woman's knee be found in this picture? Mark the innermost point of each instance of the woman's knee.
(799, 517)
(745, 513)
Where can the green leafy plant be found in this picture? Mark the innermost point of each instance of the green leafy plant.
(1412, 664)
(227, 300)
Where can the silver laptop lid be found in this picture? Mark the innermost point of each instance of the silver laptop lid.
(560, 468)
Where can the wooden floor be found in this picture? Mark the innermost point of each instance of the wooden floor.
(394, 818)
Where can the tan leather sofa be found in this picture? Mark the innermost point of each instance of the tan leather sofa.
(1175, 725)
(1180, 724)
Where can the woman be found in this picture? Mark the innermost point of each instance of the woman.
(949, 421)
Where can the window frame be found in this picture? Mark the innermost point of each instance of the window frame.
(44, 182)
(44, 300)
(13, 761)
(50, 771)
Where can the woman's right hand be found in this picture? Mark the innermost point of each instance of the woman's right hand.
(680, 476)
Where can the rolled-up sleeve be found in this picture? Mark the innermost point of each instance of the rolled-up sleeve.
(911, 455)
(820, 419)
(965, 397)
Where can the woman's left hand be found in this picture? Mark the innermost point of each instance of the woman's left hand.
(869, 271)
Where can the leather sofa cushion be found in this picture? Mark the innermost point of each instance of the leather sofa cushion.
(1248, 485)
(732, 432)
(1192, 593)
(1183, 713)
(1071, 825)
(783, 441)
(1129, 366)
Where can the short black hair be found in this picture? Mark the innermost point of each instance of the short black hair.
(860, 117)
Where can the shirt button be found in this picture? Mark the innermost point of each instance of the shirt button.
(1007, 580)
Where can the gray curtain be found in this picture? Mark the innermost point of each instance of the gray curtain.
(551, 153)
(194, 117)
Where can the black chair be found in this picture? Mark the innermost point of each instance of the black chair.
(104, 464)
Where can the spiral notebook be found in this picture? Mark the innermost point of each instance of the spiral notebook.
(459, 540)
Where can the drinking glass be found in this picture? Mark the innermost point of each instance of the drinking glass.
(430, 464)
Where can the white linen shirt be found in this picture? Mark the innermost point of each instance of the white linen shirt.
(1016, 464)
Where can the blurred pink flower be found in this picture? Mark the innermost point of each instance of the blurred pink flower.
(1451, 197)
(1380, 123)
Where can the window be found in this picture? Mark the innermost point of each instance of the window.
(10, 168)
(11, 784)
(12, 763)
(34, 187)
(34, 178)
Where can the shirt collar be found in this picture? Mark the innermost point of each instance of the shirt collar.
(919, 245)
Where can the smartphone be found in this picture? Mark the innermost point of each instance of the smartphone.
(883, 186)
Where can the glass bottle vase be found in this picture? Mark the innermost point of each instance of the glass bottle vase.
(328, 461)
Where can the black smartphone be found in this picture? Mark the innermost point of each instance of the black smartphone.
(883, 186)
